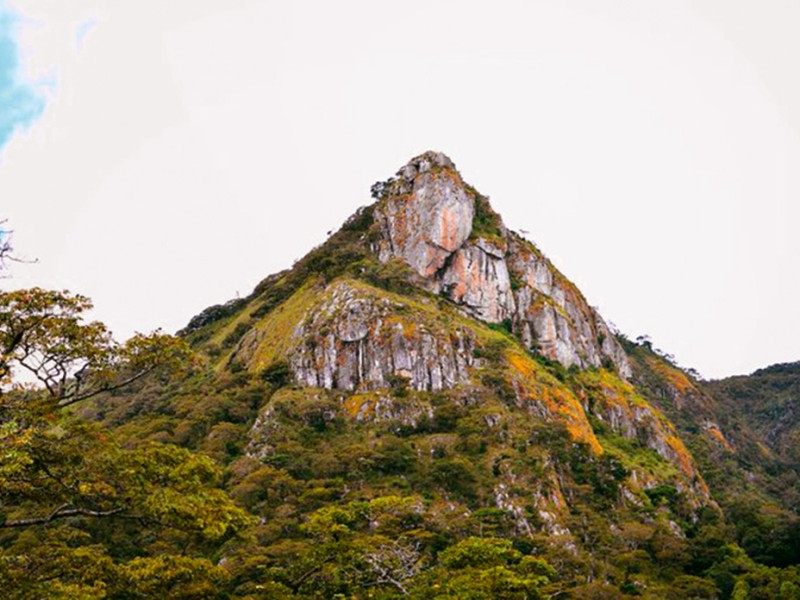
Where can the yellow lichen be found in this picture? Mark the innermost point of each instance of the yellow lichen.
(674, 377)
(714, 431)
(538, 385)
(611, 387)
(608, 390)
(406, 326)
(682, 456)
(360, 404)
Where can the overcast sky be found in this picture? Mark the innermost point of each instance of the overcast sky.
(164, 156)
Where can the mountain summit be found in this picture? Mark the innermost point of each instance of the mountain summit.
(449, 234)
(442, 236)
(421, 407)
(426, 291)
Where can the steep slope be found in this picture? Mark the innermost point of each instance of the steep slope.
(743, 430)
(768, 402)
(447, 232)
(426, 290)
(762, 413)
(425, 406)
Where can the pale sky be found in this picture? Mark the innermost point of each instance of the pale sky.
(160, 157)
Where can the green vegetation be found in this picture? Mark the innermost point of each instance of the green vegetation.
(486, 223)
(81, 515)
(751, 413)
(278, 374)
(146, 470)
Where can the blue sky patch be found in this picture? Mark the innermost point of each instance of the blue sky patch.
(20, 103)
(83, 28)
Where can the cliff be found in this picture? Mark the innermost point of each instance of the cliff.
(424, 406)
(449, 234)
(428, 291)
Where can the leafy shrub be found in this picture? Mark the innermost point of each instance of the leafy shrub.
(555, 368)
(493, 351)
(505, 326)
(661, 494)
(278, 374)
(394, 275)
(394, 456)
(399, 385)
(457, 476)
(486, 222)
(496, 382)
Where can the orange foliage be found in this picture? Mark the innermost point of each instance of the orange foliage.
(612, 391)
(560, 402)
(715, 433)
(675, 377)
(682, 456)
(359, 404)
(407, 326)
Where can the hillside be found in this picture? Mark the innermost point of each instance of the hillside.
(426, 291)
(425, 406)
(768, 403)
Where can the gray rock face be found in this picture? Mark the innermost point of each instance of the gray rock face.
(425, 216)
(554, 317)
(354, 340)
(478, 278)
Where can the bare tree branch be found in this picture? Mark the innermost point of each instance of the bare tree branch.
(7, 250)
(61, 512)
(394, 564)
(72, 399)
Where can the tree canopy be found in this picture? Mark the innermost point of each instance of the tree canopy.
(81, 515)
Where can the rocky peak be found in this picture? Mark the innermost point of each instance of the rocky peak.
(426, 213)
(450, 236)
(340, 321)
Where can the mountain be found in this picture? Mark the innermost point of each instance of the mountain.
(428, 290)
(424, 405)
(768, 404)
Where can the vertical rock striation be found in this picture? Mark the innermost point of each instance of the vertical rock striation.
(355, 340)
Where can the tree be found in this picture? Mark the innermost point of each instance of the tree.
(5, 245)
(489, 568)
(43, 332)
(80, 515)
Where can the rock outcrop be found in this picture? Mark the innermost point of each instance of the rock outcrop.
(459, 247)
(427, 214)
(617, 405)
(348, 335)
(357, 339)
(478, 278)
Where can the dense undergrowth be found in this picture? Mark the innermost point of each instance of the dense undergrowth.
(380, 507)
